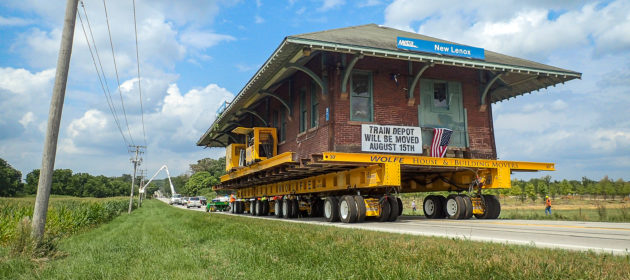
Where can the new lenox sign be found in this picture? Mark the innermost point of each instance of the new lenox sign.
(440, 48)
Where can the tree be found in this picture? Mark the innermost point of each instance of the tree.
(10, 180)
(32, 179)
(530, 190)
(198, 181)
(216, 167)
(61, 182)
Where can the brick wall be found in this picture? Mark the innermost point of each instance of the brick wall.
(390, 103)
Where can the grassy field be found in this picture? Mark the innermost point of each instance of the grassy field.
(66, 215)
(162, 242)
(566, 208)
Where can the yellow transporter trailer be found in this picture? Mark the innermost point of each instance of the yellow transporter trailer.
(338, 123)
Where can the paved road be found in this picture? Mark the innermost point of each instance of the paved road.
(584, 236)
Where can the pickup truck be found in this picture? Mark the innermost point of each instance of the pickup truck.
(176, 199)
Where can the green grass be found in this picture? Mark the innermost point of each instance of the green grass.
(66, 215)
(162, 242)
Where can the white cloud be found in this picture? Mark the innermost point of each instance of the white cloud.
(369, 3)
(330, 4)
(259, 20)
(28, 118)
(14, 21)
(203, 39)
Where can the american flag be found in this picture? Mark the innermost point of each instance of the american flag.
(441, 137)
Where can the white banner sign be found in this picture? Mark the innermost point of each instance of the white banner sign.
(391, 139)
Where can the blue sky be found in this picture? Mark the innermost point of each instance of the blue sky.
(195, 54)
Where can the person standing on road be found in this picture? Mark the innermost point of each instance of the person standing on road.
(547, 205)
(413, 206)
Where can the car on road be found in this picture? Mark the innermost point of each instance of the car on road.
(184, 201)
(175, 199)
(193, 202)
(203, 200)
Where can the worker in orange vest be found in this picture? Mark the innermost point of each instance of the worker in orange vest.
(232, 198)
(547, 205)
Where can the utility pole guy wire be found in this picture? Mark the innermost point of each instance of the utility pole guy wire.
(54, 119)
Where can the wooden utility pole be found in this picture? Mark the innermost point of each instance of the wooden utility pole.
(136, 161)
(54, 119)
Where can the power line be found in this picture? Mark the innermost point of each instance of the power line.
(135, 28)
(111, 43)
(105, 92)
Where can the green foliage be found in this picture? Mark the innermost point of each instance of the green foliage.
(198, 181)
(10, 179)
(64, 182)
(65, 215)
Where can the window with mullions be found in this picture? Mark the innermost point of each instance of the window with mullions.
(303, 110)
(361, 97)
(314, 106)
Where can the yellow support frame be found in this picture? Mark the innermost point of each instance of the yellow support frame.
(265, 164)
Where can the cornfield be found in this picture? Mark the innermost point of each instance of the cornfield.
(66, 215)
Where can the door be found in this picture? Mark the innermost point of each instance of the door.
(441, 106)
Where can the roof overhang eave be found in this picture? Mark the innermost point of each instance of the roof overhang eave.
(425, 57)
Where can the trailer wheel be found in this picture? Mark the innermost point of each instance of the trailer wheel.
(400, 206)
(259, 208)
(347, 209)
(286, 207)
(496, 206)
(294, 209)
(361, 210)
(394, 209)
(315, 208)
(331, 209)
(386, 209)
(441, 201)
(431, 207)
(455, 207)
(278, 207)
(253, 207)
(469, 207)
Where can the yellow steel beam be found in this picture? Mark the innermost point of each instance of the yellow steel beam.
(265, 164)
(374, 176)
(431, 161)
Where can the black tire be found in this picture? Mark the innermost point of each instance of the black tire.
(361, 209)
(241, 207)
(469, 207)
(393, 204)
(347, 209)
(314, 208)
(455, 207)
(331, 209)
(385, 209)
(489, 207)
(259, 208)
(295, 208)
(253, 207)
(441, 200)
(278, 208)
(496, 207)
(400, 206)
(286, 208)
(430, 207)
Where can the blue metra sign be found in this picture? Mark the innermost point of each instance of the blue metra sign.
(440, 48)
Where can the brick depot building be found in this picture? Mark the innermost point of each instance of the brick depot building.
(320, 90)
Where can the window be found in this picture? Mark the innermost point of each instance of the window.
(314, 106)
(361, 97)
(303, 110)
(283, 124)
(440, 95)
